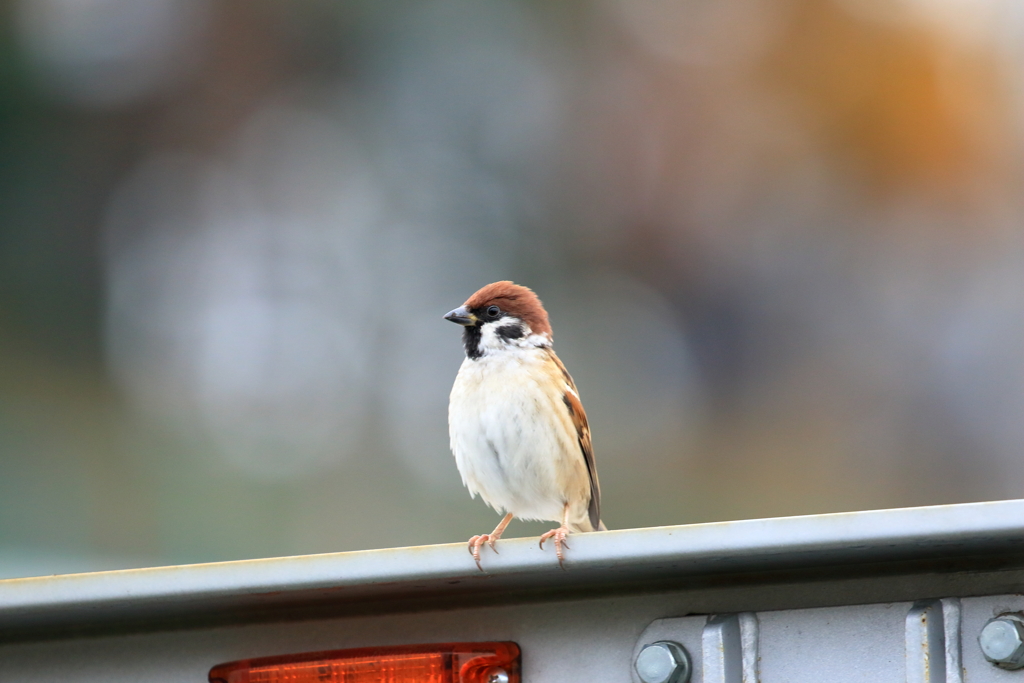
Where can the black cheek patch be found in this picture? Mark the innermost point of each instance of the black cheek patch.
(509, 332)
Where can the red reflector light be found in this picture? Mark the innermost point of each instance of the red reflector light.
(442, 663)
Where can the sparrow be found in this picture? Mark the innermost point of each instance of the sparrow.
(518, 431)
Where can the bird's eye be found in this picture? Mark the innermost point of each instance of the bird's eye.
(493, 311)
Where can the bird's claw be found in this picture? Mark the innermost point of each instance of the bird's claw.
(478, 542)
(559, 535)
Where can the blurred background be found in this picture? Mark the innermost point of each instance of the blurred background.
(781, 242)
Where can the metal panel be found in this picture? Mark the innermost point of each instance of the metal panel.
(587, 641)
(886, 643)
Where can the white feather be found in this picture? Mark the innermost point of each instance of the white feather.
(511, 433)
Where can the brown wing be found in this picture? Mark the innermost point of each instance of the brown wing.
(579, 419)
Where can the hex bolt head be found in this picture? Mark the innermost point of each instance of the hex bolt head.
(497, 675)
(1002, 641)
(663, 661)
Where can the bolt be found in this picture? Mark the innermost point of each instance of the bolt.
(497, 676)
(1002, 641)
(663, 662)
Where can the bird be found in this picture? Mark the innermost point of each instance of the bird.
(518, 430)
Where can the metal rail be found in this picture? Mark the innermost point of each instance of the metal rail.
(845, 558)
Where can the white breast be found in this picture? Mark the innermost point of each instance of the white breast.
(512, 435)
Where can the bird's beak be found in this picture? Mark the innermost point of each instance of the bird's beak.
(461, 316)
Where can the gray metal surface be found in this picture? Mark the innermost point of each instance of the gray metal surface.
(959, 550)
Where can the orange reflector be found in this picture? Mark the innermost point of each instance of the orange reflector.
(442, 663)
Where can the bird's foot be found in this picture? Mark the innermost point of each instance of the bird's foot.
(490, 539)
(559, 535)
(478, 542)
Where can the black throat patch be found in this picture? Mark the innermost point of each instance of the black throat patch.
(471, 340)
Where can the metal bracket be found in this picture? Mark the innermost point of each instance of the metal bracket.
(933, 642)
